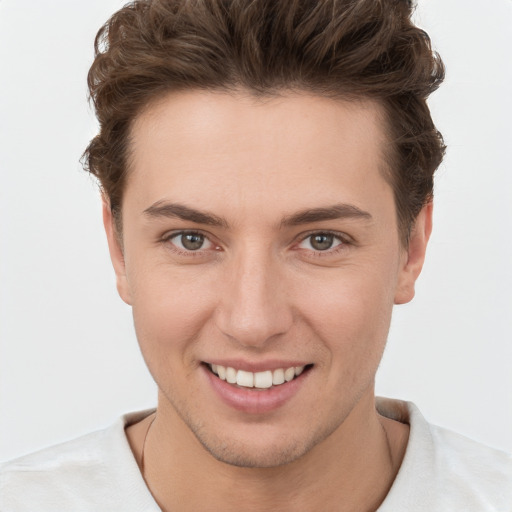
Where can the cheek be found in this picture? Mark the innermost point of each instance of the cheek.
(351, 313)
(169, 309)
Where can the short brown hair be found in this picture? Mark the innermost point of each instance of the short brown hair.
(338, 48)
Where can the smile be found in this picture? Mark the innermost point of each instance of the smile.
(261, 380)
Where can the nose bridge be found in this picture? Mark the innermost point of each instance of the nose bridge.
(254, 308)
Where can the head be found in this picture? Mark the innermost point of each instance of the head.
(267, 174)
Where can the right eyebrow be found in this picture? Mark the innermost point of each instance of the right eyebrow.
(180, 211)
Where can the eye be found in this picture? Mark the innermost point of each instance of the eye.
(321, 242)
(190, 241)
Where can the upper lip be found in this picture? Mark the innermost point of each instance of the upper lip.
(257, 366)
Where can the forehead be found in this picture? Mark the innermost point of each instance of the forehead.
(235, 149)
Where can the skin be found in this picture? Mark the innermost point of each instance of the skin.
(258, 290)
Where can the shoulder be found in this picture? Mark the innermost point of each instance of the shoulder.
(445, 471)
(471, 466)
(93, 472)
(63, 474)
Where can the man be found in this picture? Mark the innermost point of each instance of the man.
(266, 170)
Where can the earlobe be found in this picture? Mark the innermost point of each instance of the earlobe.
(415, 255)
(116, 252)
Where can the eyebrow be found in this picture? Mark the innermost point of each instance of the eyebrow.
(337, 211)
(175, 210)
(165, 209)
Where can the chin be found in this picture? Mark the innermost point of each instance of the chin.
(246, 456)
(260, 446)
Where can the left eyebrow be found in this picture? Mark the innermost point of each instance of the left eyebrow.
(337, 211)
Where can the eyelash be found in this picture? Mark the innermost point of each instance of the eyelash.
(167, 239)
(341, 237)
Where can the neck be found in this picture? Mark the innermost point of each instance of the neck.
(352, 469)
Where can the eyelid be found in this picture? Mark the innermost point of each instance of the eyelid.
(344, 237)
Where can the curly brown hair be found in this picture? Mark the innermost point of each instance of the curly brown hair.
(343, 49)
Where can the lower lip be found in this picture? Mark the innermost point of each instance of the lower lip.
(252, 400)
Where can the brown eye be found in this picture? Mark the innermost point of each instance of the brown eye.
(191, 241)
(321, 242)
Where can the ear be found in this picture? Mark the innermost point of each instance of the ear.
(116, 252)
(414, 255)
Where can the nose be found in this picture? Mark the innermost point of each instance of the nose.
(254, 307)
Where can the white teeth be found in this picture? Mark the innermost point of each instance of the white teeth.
(289, 373)
(231, 375)
(278, 377)
(260, 380)
(263, 380)
(245, 379)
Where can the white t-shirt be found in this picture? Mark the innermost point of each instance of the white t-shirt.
(441, 472)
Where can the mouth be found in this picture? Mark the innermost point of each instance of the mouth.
(265, 379)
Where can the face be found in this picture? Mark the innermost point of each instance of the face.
(260, 246)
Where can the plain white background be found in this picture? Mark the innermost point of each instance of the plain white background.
(69, 360)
